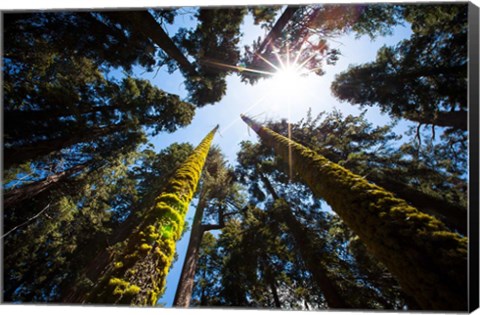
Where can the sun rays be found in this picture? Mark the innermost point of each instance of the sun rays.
(285, 87)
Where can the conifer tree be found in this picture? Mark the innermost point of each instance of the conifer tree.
(429, 262)
(216, 190)
(426, 177)
(137, 275)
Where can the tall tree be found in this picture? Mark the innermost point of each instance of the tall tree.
(138, 273)
(152, 170)
(383, 223)
(308, 232)
(349, 274)
(217, 193)
(422, 177)
(311, 256)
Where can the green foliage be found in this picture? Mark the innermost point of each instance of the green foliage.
(104, 206)
(207, 271)
(59, 98)
(57, 232)
(264, 15)
(58, 111)
(422, 78)
(213, 42)
(107, 44)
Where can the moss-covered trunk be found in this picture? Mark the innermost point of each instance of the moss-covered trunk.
(429, 261)
(452, 215)
(137, 275)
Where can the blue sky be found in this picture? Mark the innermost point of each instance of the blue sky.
(263, 100)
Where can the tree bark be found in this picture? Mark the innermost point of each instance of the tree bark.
(428, 260)
(17, 195)
(455, 119)
(454, 216)
(310, 255)
(143, 22)
(21, 154)
(186, 281)
(270, 278)
(276, 30)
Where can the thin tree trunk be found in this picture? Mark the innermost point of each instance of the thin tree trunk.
(138, 273)
(17, 195)
(270, 278)
(312, 258)
(456, 119)
(184, 290)
(310, 255)
(429, 262)
(186, 281)
(276, 30)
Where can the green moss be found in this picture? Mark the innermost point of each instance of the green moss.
(145, 247)
(118, 265)
(122, 287)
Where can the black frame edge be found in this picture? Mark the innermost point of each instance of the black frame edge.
(473, 199)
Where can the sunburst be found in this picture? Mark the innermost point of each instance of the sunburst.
(286, 83)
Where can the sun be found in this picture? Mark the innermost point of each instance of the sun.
(287, 81)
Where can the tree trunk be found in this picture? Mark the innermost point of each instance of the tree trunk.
(21, 154)
(138, 273)
(310, 254)
(270, 278)
(429, 262)
(186, 281)
(456, 119)
(276, 30)
(453, 215)
(17, 195)
(312, 258)
(143, 22)
(15, 116)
